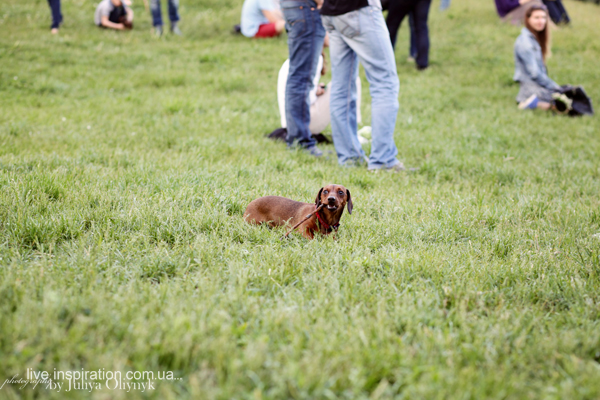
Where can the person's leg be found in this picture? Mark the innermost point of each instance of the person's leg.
(377, 57)
(56, 14)
(156, 13)
(267, 31)
(421, 13)
(305, 41)
(413, 36)
(397, 11)
(542, 105)
(173, 11)
(344, 73)
(444, 4)
(358, 100)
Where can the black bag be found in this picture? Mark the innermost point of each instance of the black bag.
(577, 103)
(281, 134)
(557, 11)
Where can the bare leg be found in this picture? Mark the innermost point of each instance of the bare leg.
(542, 105)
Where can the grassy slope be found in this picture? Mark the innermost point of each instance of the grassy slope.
(126, 163)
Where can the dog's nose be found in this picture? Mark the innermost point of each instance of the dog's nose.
(331, 199)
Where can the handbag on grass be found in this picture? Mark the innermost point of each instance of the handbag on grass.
(573, 101)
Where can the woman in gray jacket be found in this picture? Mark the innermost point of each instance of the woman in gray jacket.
(531, 50)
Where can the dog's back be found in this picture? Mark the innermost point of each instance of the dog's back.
(275, 210)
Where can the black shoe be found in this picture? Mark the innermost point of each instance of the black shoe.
(278, 134)
(237, 29)
(320, 138)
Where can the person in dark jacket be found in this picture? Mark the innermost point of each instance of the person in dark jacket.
(532, 48)
(513, 11)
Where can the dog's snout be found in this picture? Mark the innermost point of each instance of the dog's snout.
(331, 199)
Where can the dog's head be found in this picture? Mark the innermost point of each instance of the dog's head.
(335, 198)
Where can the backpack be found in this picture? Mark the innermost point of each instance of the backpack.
(557, 11)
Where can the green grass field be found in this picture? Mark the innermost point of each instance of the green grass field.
(126, 163)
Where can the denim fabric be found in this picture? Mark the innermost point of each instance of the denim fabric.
(56, 14)
(362, 35)
(420, 12)
(444, 4)
(157, 15)
(305, 42)
(529, 64)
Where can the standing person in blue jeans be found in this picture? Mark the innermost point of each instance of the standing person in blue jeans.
(357, 31)
(56, 15)
(305, 42)
(157, 21)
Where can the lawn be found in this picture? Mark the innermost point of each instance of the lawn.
(126, 162)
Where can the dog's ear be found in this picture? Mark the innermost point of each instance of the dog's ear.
(318, 199)
(349, 202)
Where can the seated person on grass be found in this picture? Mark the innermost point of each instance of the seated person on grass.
(261, 19)
(531, 50)
(114, 14)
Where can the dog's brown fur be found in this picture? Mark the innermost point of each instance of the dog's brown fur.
(279, 211)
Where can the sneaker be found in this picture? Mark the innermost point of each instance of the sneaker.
(314, 151)
(531, 103)
(158, 30)
(175, 30)
(393, 169)
(237, 29)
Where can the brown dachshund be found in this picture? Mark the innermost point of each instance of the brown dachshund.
(279, 211)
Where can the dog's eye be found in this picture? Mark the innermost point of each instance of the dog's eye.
(325, 191)
(340, 193)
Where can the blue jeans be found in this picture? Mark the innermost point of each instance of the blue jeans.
(362, 34)
(419, 10)
(305, 43)
(56, 14)
(157, 16)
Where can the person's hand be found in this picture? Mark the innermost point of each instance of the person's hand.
(521, 2)
(320, 89)
(319, 3)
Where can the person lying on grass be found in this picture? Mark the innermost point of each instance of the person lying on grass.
(114, 14)
(532, 48)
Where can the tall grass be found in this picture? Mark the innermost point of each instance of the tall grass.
(126, 163)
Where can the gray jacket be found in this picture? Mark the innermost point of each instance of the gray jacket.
(529, 64)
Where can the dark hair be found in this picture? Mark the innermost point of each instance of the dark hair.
(543, 37)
